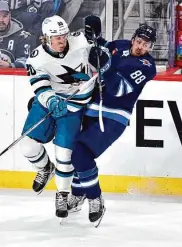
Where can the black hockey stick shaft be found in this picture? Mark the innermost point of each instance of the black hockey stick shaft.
(34, 126)
(100, 83)
(98, 65)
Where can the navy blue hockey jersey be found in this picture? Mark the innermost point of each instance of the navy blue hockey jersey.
(123, 82)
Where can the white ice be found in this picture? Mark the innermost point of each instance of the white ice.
(28, 220)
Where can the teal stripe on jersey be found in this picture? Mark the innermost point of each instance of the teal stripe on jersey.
(39, 78)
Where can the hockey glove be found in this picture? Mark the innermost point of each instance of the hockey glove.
(104, 57)
(57, 106)
(92, 28)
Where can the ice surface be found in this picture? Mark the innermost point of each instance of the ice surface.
(28, 220)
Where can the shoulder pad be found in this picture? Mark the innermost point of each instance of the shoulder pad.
(36, 57)
(78, 41)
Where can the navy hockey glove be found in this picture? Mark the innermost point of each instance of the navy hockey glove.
(57, 105)
(104, 58)
(92, 28)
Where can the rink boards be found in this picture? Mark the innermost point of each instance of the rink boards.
(146, 159)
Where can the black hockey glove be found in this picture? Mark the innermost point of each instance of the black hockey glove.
(92, 28)
(104, 57)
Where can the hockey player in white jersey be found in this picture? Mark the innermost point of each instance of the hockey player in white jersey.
(56, 68)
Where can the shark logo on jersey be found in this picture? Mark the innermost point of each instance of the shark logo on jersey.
(145, 62)
(73, 76)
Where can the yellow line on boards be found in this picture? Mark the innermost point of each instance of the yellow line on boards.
(109, 183)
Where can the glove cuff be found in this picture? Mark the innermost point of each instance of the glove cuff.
(44, 97)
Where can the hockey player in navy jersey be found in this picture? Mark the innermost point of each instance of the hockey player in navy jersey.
(131, 68)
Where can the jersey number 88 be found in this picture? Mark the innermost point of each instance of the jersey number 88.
(138, 76)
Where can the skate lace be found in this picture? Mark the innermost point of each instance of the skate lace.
(74, 200)
(61, 202)
(42, 175)
(94, 205)
(40, 178)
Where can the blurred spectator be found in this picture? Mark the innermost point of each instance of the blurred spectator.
(75, 11)
(58, 5)
(69, 9)
(31, 13)
(15, 43)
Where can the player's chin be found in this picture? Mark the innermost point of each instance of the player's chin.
(60, 49)
(136, 54)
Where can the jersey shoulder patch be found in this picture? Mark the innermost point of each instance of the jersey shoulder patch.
(37, 57)
(145, 62)
(75, 34)
(34, 53)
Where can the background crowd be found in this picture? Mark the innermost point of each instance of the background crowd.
(21, 20)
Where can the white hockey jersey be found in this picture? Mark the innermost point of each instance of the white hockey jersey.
(49, 71)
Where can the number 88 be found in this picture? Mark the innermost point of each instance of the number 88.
(137, 76)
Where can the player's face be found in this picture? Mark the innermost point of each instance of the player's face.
(140, 47)
(4, 20)
(58, 43)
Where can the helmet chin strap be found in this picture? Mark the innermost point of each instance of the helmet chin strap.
(152, 46)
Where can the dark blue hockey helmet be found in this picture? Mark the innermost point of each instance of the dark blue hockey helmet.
(146, 32)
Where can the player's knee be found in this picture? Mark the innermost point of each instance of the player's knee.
(65, 168)
(63, 159)
(81, 156)
(63, 154)
(30, 147)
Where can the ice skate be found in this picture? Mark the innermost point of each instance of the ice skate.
(43, 176)
(75, 203)
(96, 210)
(61, 205)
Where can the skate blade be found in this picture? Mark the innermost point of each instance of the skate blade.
(61, 220)
(97, 223)
(38, 193)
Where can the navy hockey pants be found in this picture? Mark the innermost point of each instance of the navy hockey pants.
(90, 144)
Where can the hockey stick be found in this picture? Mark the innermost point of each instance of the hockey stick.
(43, 119)
(100, 85)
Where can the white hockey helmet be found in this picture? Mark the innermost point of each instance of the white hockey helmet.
(53, 26)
